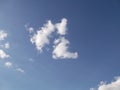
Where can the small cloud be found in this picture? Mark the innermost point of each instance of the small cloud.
(114, 85)
(31, 59)
(7, 45)
(8, 64)
(92, 88)
(3, 35)
(3, 55)
(30, 29)
(61, 49)
(20, 70)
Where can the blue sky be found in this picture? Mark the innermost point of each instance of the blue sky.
(87, 51)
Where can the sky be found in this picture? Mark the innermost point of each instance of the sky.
(59, 45)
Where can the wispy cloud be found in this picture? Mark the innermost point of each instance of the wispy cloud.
(20, 70)
(8, 64)
(3, 35)
(61, 49)
(31, 59)
(114, 85)
(30, 29)
(7, 45)
(3, 55)
(92, 88)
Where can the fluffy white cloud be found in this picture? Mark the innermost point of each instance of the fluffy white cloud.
(41, 38)
(8, 64)
(3, 55)
(114, 85)
(62, 27)
(61, 49)
(20, 70)
(3, 35)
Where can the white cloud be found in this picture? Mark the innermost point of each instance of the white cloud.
(41, 38)
(8, 64)
(7, 45)
(30, 29)
(3, 35)
(20, 70)
(3, 55)
(61, 49)
(62, 27)
(114, 85)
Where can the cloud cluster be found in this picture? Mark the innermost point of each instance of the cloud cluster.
(114, 85)
(3, 54)
(41, 38)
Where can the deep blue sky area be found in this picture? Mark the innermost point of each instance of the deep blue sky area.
(93, 32)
